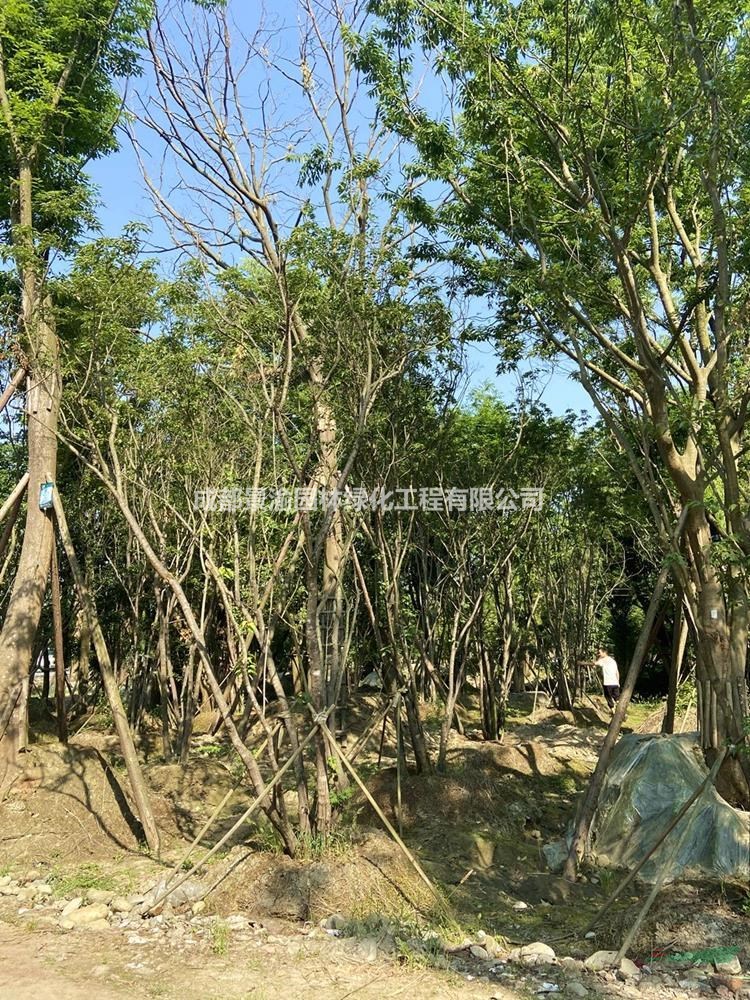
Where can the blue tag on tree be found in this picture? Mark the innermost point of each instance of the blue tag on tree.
(45, 495)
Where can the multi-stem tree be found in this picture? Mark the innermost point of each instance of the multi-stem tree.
(592, 177)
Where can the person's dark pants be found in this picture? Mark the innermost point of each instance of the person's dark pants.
(611, 693)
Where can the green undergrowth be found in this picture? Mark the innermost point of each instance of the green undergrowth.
(77, 881)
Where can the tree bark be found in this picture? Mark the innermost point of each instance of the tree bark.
(42, 409)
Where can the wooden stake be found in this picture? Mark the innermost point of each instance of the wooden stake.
(588, 803)
(252, 808)
(137, 784)
(658, 842)
(384, 819)
(57, 625)
(11, 388)
(18, 491)
(664, 870)
(399, 757)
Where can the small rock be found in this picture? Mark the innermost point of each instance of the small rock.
(88, 914)
(190, 891)
(571, 964)
(601, 960)
(97, 925)
(548, 988)
(336, 922)
(576, 989)
(368, 949)
(628, 969)
(11, 889)
(538, 952)
(67, 925)
(5, 880)
(71, 906)
(120, 905)
(42, 889)
(198, 907)
(99, 896)
(479, 952)
(731, 967)
(590, 935)
(520, 905)
(236, 922)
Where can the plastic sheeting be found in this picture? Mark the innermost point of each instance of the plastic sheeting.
(648, 780)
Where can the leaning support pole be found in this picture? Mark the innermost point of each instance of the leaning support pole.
(442, 903)
(679, 642)
(135, 775)
(11, 388)
(588, 805)
(57, 624)
(687, 805)
(18, 491)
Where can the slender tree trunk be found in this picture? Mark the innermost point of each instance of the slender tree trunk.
(679, 642)
(127, 747)
(162, 612)
(721, 624)
(42, 408)
(46, 671)
(589, 802)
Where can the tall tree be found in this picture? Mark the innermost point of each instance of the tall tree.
(58, 109)
(593, 178)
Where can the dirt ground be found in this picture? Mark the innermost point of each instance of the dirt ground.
(67, 822)
(45, 965)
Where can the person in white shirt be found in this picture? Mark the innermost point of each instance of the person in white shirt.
(610, 677)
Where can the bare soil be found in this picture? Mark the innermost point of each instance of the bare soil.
(47, 965)
(478, 830)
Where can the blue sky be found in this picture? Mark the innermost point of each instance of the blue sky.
(125, 199)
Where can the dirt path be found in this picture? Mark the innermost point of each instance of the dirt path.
(43, 964)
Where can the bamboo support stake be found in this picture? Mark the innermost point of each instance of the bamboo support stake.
(7, 532)
(714, 718)
(10, 389)
(18, 491)
(253, 807)
(657, 843)
(57, 625)
(407, 853)
(666, 864)
(399, 757)
(137, 784)
(687, 712)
